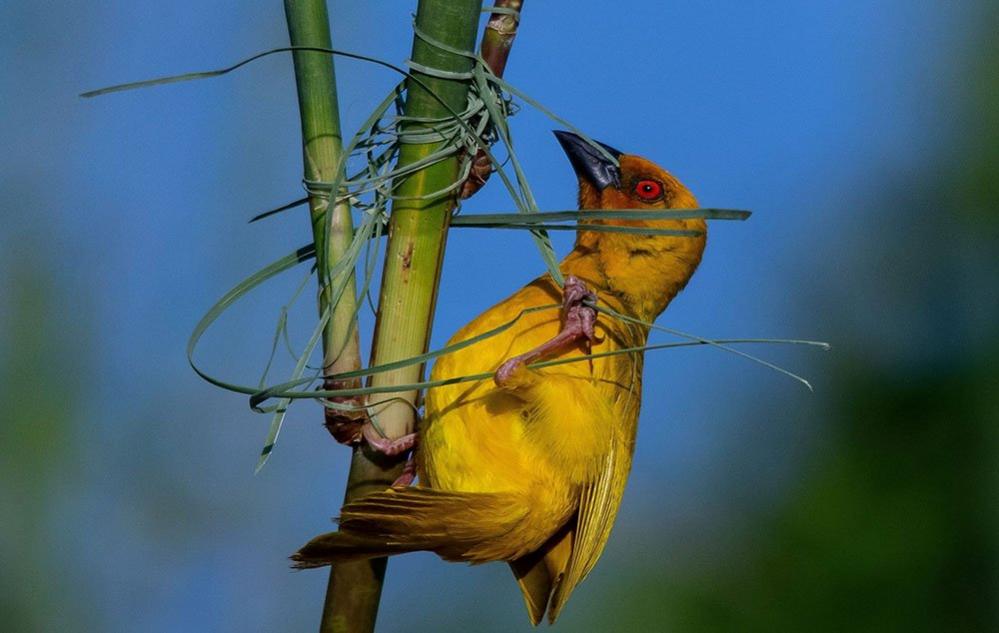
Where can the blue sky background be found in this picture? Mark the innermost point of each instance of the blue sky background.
(125, 219)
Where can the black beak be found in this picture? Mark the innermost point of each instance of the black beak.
(589, 162)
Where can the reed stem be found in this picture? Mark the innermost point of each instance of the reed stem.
(417, 235)
(322, 151)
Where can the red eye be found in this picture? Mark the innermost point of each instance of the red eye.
(648, 189)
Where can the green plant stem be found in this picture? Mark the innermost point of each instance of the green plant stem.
(417, 232)
(498, 36)
(497, 40)
(322, 150)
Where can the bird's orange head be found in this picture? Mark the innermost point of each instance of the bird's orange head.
(647, 270)
(611, 179)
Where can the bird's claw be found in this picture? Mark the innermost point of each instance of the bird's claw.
(386, 446)
(575, 292)
(577, 315)
(393, 447)
(408, 474)
(578, 321)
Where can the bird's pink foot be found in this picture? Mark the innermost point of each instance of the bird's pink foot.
(578, 320)
(578, 316)
(393, 447)
(408, 474)
(386, 446)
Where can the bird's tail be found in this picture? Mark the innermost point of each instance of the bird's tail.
(458, 526)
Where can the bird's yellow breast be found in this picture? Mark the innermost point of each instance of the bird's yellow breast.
(477, 437)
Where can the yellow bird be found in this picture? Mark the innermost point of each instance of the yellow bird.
(530, 468)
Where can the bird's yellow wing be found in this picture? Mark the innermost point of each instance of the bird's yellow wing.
(549, 575)
(598, 506)
(611, 392)
(600, 499)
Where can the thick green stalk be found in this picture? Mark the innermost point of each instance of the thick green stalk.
(322, 149)
(417, 233)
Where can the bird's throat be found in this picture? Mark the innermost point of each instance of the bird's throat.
(643, 274)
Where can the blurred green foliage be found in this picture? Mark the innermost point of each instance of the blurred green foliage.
(895, 526)
(40, 371)
(894, 531)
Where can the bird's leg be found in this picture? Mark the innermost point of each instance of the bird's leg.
(394, 447)
(578, 320)
(408, 472)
